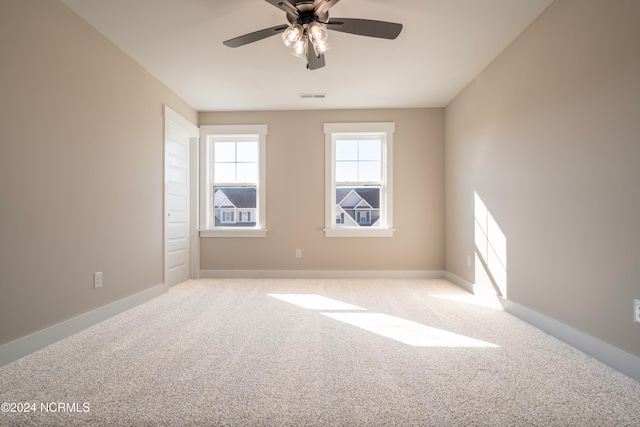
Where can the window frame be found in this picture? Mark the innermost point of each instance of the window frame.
(208, 134)
(334, 131)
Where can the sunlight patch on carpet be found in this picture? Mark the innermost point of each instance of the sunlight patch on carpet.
(401, 330)
(315, 302)
(406, 331)
(488, 301)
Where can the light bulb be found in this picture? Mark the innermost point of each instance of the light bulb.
(292, 35)
(317, 31)
(320, 46)
(300, 48)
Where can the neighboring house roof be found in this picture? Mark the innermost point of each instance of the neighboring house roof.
(241, 197)
(369, 194)
(349, 200)
(348, 217)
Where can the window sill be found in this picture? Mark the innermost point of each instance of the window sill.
(253, 232)
(358, 232)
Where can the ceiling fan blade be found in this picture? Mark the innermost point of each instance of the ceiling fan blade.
(314, 62)
(285, 5)
(323, 6)
(365, 27)
(255, 36)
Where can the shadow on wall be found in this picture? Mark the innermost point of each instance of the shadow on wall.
(491, 252)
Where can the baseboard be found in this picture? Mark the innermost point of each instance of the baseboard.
(612, 356)
(459, 281)
(322, 274)
(21, 347)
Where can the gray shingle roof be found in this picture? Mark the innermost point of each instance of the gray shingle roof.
(370, 194)
(241, 197)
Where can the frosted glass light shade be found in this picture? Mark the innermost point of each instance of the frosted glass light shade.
(292, 35)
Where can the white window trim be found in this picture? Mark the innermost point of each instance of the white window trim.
(207, 228)
(333, 130)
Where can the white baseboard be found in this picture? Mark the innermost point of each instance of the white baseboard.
(457, 280)
(612, 356)
(21, 347)
(322, 274)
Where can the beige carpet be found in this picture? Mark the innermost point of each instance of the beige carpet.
(316, 353)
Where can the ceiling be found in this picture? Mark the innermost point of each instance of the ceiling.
(444, 44)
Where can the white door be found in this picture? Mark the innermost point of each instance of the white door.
(177, 187)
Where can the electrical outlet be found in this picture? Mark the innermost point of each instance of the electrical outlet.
(636, 310)
(97, 280)
(298, 253)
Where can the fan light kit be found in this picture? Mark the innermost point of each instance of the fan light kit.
(297, 38)
(306, 35)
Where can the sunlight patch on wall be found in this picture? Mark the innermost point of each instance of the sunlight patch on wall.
(491, 247)
(484, 283)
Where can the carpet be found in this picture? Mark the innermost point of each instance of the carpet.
(249, 352)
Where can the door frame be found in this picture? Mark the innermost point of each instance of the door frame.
(176, 121)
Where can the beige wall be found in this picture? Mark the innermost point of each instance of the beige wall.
(295, 197)
(549, 137)
(81, 168)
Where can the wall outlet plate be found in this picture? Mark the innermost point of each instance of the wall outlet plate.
(97, 280)
(636, 310)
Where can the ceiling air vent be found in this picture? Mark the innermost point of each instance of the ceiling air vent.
(313, 95)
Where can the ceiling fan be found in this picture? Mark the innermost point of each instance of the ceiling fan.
(306, 33)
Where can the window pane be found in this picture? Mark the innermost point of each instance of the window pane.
(247, 151)
(246, 172)
(369, 149)
(357, 206)
(346, 150)
(370, 171)
(225, 172)
(235, 206)
(346, 171)
(225, 152)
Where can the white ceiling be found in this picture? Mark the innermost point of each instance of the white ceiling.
(443, 46)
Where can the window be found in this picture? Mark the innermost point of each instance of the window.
(233, 181)
(358, 199)
(227, 216)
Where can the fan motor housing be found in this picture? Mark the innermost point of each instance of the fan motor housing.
(305, 13)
